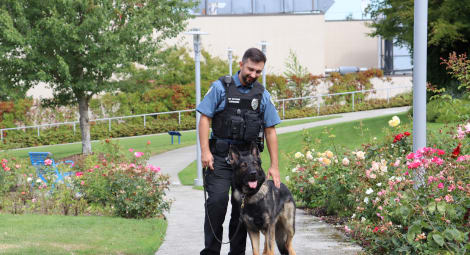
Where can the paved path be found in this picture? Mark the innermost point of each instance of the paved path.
(185, 233)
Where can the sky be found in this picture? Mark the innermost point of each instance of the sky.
(342, 8)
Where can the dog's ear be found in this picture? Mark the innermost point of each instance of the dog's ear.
(254, 150)
(233, 155)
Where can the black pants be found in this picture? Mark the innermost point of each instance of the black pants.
(218, 183)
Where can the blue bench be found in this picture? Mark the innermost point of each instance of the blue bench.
(37, 160)
(175, 133)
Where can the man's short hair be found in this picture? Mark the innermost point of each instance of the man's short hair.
(254, 55)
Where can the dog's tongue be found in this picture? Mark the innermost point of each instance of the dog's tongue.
(253, 184)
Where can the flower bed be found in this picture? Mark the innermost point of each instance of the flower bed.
(115, 182)
(394, 201)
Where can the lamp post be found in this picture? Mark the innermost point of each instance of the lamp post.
(230, 57)
(197, 53)
(263, 49)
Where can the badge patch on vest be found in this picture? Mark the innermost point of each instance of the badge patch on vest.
(254, 104)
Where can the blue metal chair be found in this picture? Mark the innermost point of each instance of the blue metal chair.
(37, 160)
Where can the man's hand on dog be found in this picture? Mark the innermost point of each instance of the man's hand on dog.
(274, 172)
(207, 160)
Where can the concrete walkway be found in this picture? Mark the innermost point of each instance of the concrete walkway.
(185, 233)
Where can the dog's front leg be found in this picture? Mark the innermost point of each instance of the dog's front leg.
(254, 237)
(269, 240)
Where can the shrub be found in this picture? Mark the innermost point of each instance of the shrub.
(114, 182)
(448, 110)
(394, 201)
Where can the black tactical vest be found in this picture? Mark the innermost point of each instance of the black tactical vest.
(241, 118)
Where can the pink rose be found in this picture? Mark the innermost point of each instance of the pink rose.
(138, 154)
(48, 162)
(440, 185)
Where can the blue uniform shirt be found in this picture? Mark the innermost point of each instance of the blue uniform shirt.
(214, 101)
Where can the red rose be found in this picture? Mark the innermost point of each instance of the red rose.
(456, 151)
(407, 133)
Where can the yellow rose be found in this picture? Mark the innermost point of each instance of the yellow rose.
(298, 155)
(329, 154)
(326, 161)
(395, 121)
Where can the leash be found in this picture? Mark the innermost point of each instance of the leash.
(204, 171)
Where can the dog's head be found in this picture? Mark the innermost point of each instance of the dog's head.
(248, 174)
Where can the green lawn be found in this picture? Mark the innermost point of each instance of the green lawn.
(347, 135)
(292, 122)
(52, 234)
(159, 143)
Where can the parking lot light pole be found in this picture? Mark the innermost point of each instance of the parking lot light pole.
(197, 53)
(263, 49)
(230, 60)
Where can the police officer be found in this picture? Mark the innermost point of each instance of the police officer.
(240, 110)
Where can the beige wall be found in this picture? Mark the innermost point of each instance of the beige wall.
(347, 44)
(304, 34)
(318, 44)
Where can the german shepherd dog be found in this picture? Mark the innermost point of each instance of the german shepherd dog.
(264, 207)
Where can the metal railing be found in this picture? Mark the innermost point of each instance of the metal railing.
(318, 97)
(74, 123)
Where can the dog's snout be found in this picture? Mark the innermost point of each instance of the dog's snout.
(252, 173)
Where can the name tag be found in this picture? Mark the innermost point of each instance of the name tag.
(234, 100)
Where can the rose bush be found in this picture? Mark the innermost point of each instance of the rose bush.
(395, 201)
(114, 182)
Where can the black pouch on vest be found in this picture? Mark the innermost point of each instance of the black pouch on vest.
(252, 126)
(221, 147)
(237, 127)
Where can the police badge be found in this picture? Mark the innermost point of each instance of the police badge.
(254, 104)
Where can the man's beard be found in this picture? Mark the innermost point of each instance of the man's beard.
(245, 80)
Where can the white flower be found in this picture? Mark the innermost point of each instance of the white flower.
(360, 155)
(379, 184)
(369, 191)
(311, 180)
(375, 166)
(353, 216)
(345, 161)
(383, 169)
(375, 138)
(38, 180)
(298, 155)
(363, 219)
(29, 179)
(366, 200)
(309, 155)
(294, 169)
(287, 178)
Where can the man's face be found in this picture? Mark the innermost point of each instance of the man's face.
(250, 71)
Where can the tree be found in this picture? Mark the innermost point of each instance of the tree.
(77, 45)
(448, 30)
